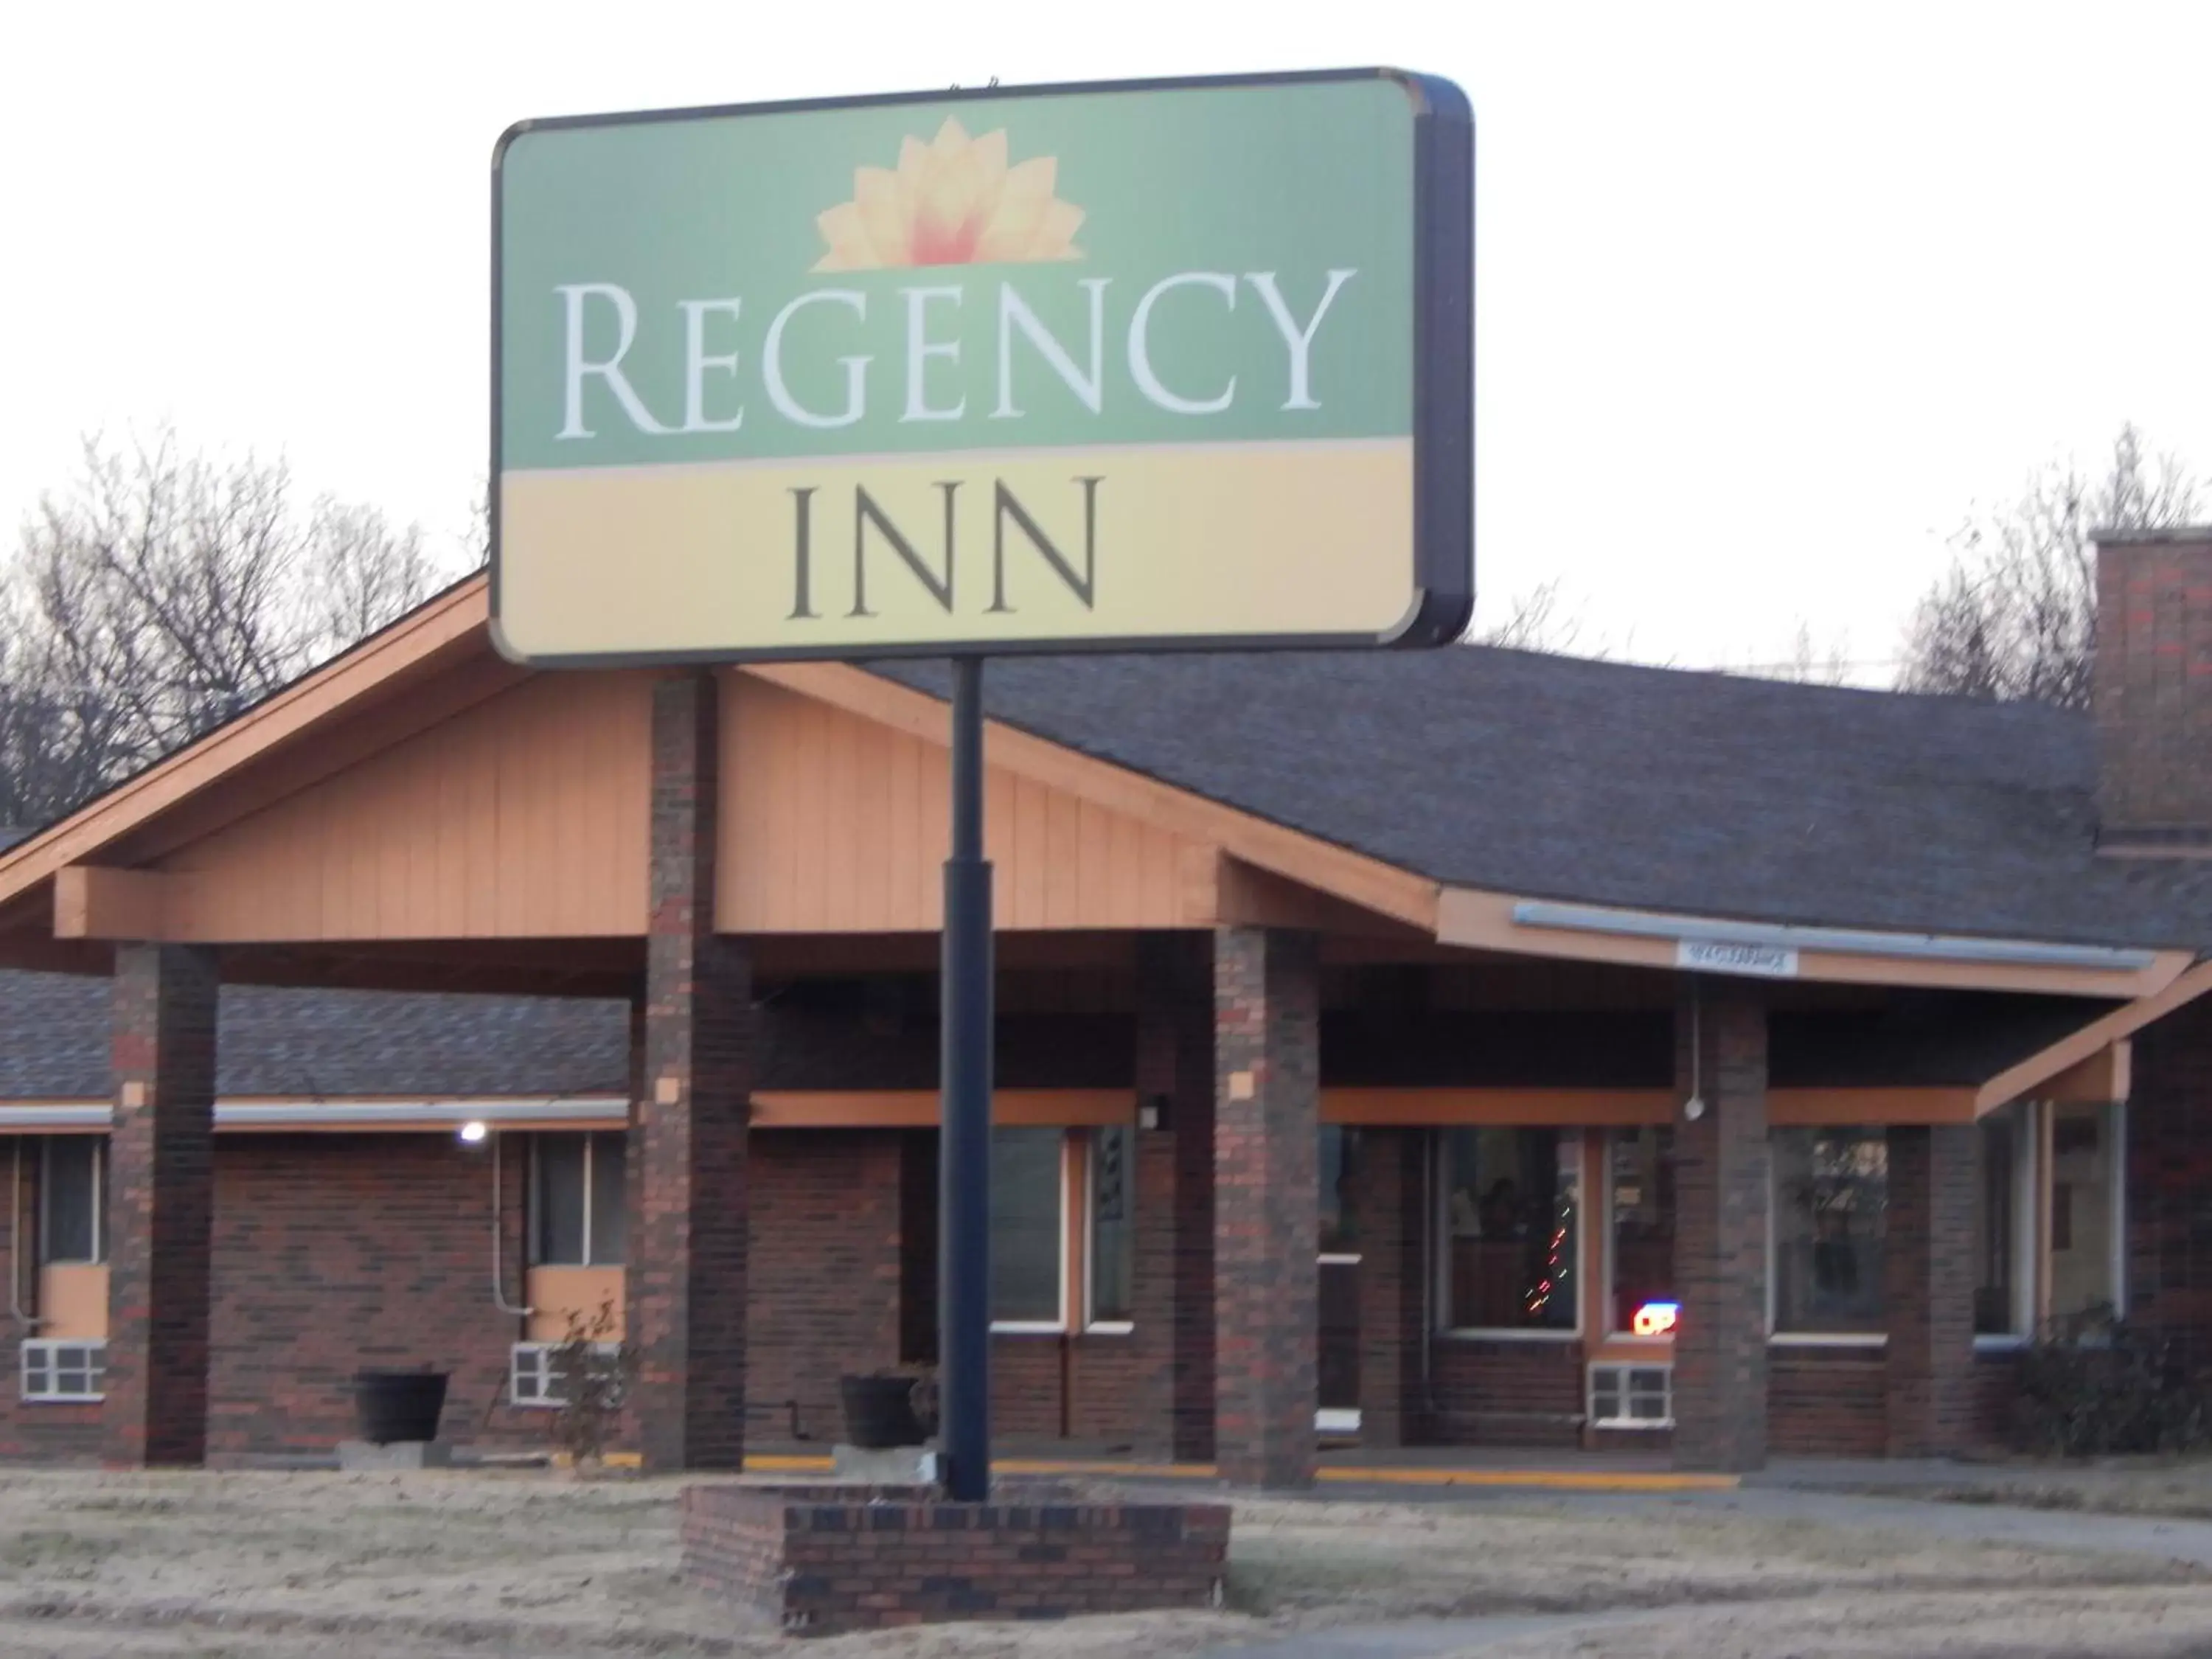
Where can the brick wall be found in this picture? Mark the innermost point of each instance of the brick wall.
(825, 1271)
(817, 1561)
(1505, 1394)
(1267, 1203)
(160, 1188)
(2150, 698)
(1720, 1239)
(2169, 1180)
(1823, 1403)
(1928, 1273)
(332, 1251)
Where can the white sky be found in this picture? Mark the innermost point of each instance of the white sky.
(1767, 295)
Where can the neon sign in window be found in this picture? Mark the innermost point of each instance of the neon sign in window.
(1656, 1319)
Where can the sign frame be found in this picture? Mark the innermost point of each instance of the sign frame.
(1442, 414)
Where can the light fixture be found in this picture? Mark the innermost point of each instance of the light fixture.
(473, 1132)
(1656, 1319)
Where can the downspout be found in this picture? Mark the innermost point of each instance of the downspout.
(498, 1241)
(15, 1242)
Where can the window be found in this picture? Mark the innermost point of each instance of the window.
(1640, 1176)
(2004, 1213)
(1113, 1252)
(1026, 1226)
(72, 1210)
(1512, 1218)
(1631, 1396)
(1339, 1232)
(2085, 1212)
(577, 1207)
(1831, 1190)
(64, 1370)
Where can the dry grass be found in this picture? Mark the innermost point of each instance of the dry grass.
(351, 1567)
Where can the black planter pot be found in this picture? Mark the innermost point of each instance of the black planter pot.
(879, 1411)
(392, 1407)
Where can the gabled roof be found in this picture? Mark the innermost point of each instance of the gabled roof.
(1647, 788)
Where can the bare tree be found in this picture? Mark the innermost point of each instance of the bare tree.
(161, 594)
(2014, 616)
(1807, 664)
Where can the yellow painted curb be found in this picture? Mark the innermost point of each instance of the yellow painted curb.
(1538, 1480)
(613, 1460)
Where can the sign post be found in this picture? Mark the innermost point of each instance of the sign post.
(964, 1155)
(1166, 365)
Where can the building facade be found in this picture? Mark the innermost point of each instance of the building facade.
(1463, 1048)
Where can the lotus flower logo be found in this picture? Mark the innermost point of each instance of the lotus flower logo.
(953, 201)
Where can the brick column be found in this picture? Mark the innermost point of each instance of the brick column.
(686, 1280)
(1175, 1070)
(161, 1206)
(1266, 1201)
(1721, 1179)
(1927, 1288)
(1386, 1200)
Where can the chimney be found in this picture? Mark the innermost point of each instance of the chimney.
(2151, 690)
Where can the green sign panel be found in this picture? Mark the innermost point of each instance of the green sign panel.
(1167, 366)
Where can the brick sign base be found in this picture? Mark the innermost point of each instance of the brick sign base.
(817, 1560)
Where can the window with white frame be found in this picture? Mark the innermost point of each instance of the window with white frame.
(533, 1372)
(1510, 1230)
(1830, 1201)
(1028, 1229)
(1641, 1300)
(2086, 1200)
(577, 1204)
(72, 1201)
(2004, 1224)
(64, 1370)
(1111, 1185)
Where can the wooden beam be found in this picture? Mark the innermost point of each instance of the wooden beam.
(917, 1109)
(2015, 1081)
(1565, 1108)
(2101, 1078)
(92, 900)
(1818, 1108)
(1608, 1108)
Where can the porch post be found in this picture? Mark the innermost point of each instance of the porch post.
(1721, 1178)
(161, 1206)
(686, 1277)
(1174, 1060)
(1266, 1132)
(1927, 1288)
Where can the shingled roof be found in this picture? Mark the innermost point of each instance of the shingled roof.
(1657, 788)
(317, 1044)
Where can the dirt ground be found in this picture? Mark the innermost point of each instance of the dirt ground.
(347, 1567)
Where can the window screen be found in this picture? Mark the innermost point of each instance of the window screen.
(1113, 1221)
(558, 1233)
(69, 1201)
(610, 1209)
(1025, 1223)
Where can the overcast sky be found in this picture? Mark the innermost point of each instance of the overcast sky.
(1767, 296)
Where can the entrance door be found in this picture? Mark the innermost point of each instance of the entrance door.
(1339, 1348)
